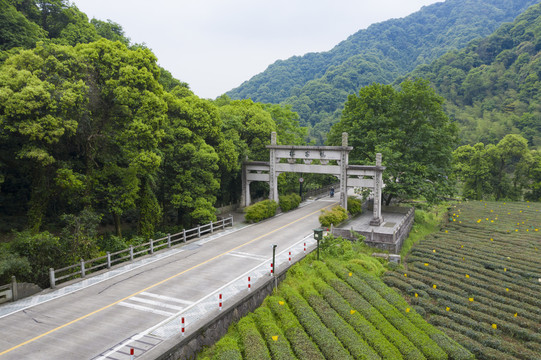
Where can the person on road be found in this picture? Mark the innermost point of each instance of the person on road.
(332, 191)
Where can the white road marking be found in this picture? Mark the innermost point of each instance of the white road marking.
(147, 309)
(248, 255)
(167, 298)
(155, 303)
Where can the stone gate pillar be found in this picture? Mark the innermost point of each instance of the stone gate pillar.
(378, 219)
(273, 181)
(343, 172)
(245, 191)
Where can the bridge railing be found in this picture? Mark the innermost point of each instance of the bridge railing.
(85, 267)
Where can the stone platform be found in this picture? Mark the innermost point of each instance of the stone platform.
(397, 223)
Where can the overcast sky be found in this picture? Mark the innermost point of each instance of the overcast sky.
(215, 45)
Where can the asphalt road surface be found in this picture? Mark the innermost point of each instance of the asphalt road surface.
(103, 320)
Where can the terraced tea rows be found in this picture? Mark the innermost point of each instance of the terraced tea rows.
(335, 310)
(479, 279)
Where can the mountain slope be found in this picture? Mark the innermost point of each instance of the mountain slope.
(493, 86)
(317, 84)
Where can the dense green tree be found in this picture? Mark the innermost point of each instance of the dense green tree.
(472, 168)
(492, 86)
(317, 84)
(502, 171)
(110, 30)
(408, 126)
(16, 30)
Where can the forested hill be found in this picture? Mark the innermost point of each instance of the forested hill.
(493, 86)
(317, 84)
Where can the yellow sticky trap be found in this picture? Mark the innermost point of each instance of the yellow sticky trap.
(407, 310)
(467, 276)
(434, 250)
(426, 264)
(350, 274)
(447, 308)
(275, 338)
(446, 231)
(491, 239)
(504, 269)
(494, 326)
(471, 299)
(506, 289)
(416, 295)
(281, 302)
(405, 275)
(434, 286)
(352, 312)
(516, 314)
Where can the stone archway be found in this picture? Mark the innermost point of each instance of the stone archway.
(349, 175)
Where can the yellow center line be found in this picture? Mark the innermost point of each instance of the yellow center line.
(158, 283)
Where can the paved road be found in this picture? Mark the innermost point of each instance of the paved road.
(135, 307)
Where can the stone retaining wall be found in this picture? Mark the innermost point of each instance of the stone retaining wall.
(385, 241)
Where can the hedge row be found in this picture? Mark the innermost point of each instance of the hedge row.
(252, 344)
(486, 339)
(289, 202)
(260, 211)
(451, 347)
(494, 302)
(365, 328)
(227, 349)
(334, 216)
(276, 341)
(353, 342)
(396, 317)
(302, 345)
(402, 343)
(480, 351)
(324, 338)
(479, 312)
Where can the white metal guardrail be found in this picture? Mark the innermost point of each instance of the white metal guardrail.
(105, 262)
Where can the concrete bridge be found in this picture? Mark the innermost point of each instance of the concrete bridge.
(140, 306)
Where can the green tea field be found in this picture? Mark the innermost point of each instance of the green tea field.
(340, 309)
(479, 279)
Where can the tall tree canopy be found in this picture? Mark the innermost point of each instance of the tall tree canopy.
(408, 126)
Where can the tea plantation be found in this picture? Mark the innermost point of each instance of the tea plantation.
(479, 279)
(337, 308)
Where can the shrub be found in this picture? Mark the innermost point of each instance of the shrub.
(372, 335)
(253, 345)
(278, 346)
(354, 205)
(323, 337)
(261, 210)
(227, 348)
(342, 330)
(334, 216)
(301, 343)
(43, 251)
(289, 202)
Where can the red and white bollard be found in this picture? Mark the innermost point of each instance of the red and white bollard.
(131, 354)
(271, 270)
(182, 328)
(220, 304)
(249, 283)
(290, 258)
(305, 248)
